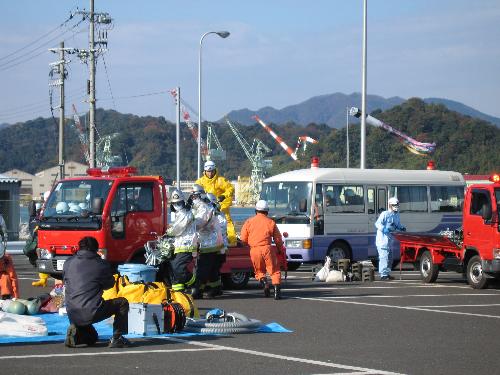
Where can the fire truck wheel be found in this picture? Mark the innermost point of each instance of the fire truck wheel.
(475, 276)
(235, 280)
(428, 269)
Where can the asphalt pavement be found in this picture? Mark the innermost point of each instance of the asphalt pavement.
(395, 327)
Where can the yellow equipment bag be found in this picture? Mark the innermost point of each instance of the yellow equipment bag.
(185, 300)
(113, 291)
(132, 292)
(154, 293)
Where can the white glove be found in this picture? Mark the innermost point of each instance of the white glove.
(195, 254)
(223, 251)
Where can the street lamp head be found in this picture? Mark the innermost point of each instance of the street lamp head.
(223, 34)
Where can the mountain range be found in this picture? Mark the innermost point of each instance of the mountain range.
(330, 109)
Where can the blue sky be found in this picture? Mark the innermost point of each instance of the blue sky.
(279, 53)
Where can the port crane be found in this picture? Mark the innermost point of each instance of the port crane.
(301, 141)
(255, 154)
(211, 149)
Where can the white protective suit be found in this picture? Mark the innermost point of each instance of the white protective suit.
(207, 226)
(184, 230)
(3, 228)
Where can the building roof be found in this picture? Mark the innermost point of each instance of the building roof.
(9, 180)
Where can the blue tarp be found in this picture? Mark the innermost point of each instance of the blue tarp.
(57, 326)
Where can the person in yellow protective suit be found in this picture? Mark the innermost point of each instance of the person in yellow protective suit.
(213, 183)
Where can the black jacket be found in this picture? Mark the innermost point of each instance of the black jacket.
(85, 277)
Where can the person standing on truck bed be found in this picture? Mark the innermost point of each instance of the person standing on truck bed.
(258, 232)
(85, 277)
(211, 242)
(387, 222)
(213, 183)
(183, 228)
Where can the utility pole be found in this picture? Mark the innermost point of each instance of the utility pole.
(362, 164)
(58, 67)
(90, 56)
(92, 87)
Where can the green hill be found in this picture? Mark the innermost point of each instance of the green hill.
(464, 144)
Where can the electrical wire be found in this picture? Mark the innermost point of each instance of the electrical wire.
(109, 84)
(38, 39)
(29, 55)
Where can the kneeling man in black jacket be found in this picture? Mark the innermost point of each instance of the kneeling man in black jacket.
(85, 277)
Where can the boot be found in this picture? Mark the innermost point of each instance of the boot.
(277, 292)
(265, 284)
(196, 292)
(43, 280)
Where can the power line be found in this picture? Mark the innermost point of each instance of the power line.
(109, 84)
(38, 39)
(29, 55)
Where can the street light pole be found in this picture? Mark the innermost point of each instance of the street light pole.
(363, 92)
(222, 34)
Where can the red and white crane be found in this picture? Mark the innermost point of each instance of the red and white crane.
(277, 138)
(301, 141)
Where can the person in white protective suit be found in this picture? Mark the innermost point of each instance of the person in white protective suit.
(387, 222)
(211, 242)
(183, 228)
(215, 282)
(3, 230)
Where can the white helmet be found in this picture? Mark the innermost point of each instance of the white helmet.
(62, 207)
(176, 196)
(82, 205)
(262, 206)
(46, 195)
(75, 209)
(209, 166)
(394, 203)
(197, 189)
(38, 205)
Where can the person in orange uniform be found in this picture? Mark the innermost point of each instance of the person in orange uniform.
(219, 186)
(258, 232)
(9, 287)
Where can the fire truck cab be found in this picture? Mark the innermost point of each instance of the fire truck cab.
(121, 210)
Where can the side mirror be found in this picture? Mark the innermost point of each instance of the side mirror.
(32, 209)
(486, 212)
(303, 205)
(97, 205)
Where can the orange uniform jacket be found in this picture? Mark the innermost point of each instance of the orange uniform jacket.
(8, 277)
(257, 232)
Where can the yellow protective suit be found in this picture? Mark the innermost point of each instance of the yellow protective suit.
(220, 186)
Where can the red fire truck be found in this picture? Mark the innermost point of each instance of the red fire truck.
(474, 250)
(122, 211)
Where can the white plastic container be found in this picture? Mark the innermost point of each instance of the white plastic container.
(141, 320)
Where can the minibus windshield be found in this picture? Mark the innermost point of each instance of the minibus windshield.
(289, 202)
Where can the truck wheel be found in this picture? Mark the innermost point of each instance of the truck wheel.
(235, 280)
(475, 276)
(428, 269)
(293, 266)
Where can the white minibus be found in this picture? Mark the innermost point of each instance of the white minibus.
(332, 211)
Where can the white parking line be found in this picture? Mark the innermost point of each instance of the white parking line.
(396, 307)
(126, 352)
(421, 295)
(360, 370)
(483, 305)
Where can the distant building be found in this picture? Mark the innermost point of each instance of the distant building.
(33, 186)
(44, 180)
(9, 204)
(26, 179)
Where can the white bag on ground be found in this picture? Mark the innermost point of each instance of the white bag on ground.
(14, 325)
(335, 276)
(322, 274)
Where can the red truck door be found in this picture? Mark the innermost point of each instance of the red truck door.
(477, 234)
(136, 213)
